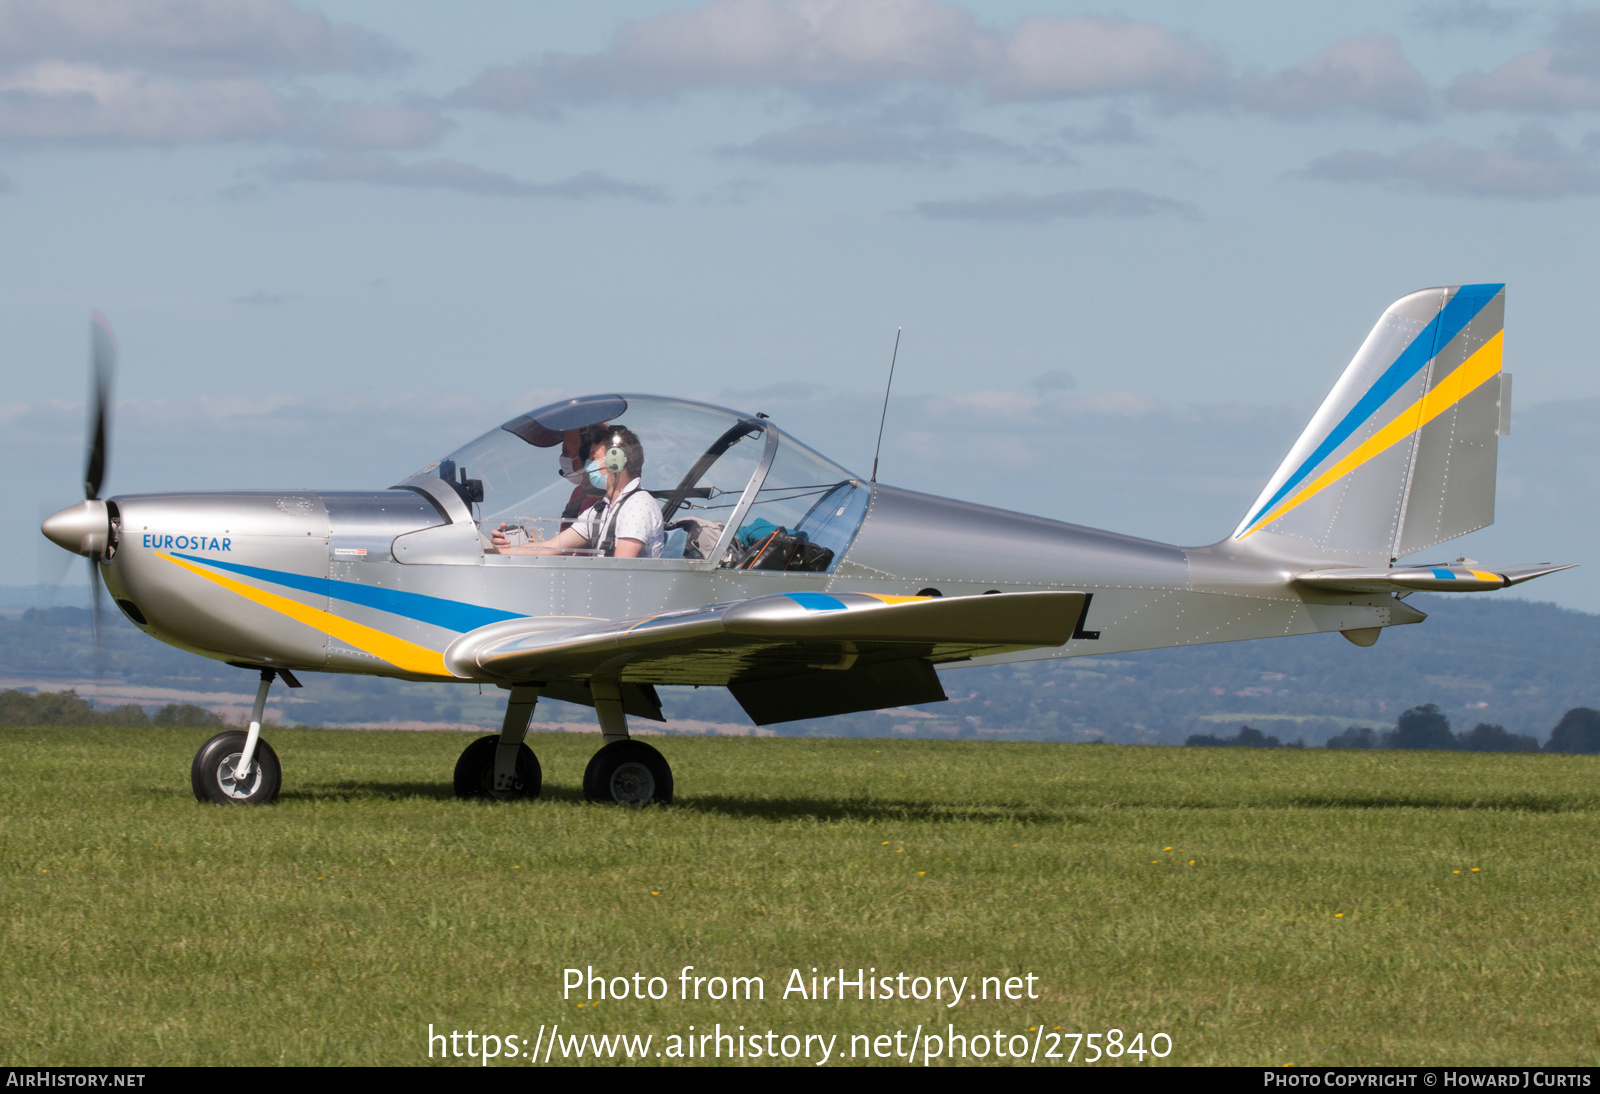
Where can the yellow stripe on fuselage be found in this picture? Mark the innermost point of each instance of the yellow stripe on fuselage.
(397, 651)
(1472, 374)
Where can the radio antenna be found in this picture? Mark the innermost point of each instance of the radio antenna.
(879, 446)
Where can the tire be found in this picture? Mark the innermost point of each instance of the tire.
(475, 772)
(211, 773)
(628, 773)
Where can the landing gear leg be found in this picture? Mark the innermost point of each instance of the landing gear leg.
(258, 712)
(608, 705)
(239, 768)
(624, 771)
(503, 767)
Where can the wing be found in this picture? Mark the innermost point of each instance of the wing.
(873, 647)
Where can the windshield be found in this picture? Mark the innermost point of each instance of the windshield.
(649, 477)
(809, 496)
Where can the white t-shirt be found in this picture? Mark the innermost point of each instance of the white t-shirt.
(636, 514)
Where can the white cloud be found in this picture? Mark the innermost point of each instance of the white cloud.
(226, 407)
(1048, 58)
(447, 174)
(68, 101)
(1451, 15)
(864, 143)
(1071, 204)
(1116, 127)
(1367, 73)
(1533, 164)
(1056, 380)
(354, 125)
(845, 50)
(190, 71)
(76, 101)
(192, 37)
(1531, 81)
(1552, 79)
(833, 47)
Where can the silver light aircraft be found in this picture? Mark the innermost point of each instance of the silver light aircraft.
(593, 549)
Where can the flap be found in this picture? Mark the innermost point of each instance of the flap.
(719, 643)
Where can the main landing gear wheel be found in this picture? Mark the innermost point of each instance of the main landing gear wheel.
(216, 778)
(475, 772)
(628, 773)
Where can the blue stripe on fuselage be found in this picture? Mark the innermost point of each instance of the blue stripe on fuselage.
(449, 614)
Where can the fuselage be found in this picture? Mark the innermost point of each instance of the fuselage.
(382, 582)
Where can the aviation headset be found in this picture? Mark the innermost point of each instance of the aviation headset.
(623, 452)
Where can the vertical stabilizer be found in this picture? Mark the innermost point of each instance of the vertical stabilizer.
(1401, 454)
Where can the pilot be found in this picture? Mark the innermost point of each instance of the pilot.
(626, 523)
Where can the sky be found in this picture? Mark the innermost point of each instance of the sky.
(1130, 247)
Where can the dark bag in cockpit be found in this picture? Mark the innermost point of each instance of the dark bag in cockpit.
(782, 549)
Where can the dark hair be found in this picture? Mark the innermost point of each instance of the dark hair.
(620, 436)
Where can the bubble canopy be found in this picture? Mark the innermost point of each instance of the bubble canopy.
(723, 480)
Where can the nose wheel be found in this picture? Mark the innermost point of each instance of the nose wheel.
(629, 773)
(219, 774)
(235, 768)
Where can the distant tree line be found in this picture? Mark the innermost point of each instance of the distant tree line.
(65, 708)
(1423, 727)
(1245, 738)
(1426, 727)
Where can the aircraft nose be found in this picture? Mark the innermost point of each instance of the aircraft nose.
(83, 529)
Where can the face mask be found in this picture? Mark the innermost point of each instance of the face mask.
(597, 474)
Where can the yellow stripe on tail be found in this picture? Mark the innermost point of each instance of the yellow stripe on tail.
(1472, 374)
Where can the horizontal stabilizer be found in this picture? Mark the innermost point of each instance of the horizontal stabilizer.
(1452, 577)
(767, 636)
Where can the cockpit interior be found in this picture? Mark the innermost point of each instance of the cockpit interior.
(724, 489)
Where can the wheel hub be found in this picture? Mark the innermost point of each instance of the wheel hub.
(633, 784)
(512, 788)
(233, 783)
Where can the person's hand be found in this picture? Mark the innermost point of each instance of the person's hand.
(498, 540)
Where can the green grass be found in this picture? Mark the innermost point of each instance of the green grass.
(1310, 910)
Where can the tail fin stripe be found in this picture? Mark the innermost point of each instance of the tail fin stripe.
(1472, 374)
(1462, 308)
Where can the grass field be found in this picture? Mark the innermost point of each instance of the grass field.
(1259, 907)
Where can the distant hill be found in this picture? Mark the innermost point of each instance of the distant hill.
(1514, 663)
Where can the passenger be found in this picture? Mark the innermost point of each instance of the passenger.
(576, 444)
(626, 523)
